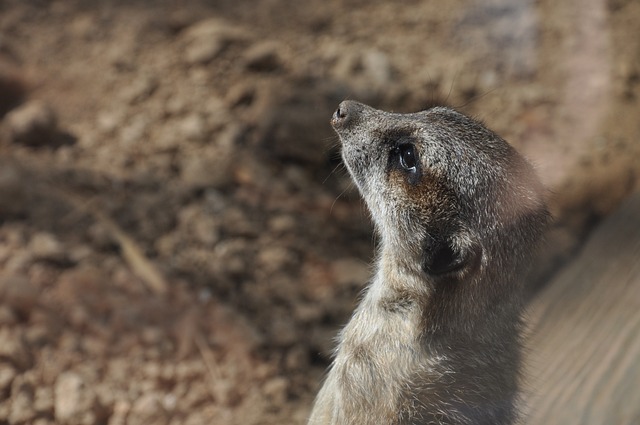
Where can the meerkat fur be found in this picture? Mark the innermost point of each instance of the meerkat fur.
(459, 213)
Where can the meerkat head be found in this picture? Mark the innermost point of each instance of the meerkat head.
(444, 192)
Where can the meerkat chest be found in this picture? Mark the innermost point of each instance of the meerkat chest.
(383, 337)
(380, 356)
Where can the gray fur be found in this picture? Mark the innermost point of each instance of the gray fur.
(427, 347)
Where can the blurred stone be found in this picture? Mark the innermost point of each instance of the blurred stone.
(291, 134)
(45, 246)
(377, 67)
(140, 89)
(109, 121)
(263, 57)
(14, 193)
(7, 373)
(132, 133)
(282, 224)
(207, 170)
(203, 50)
(43, 400)
(283, 331)
(120, 413)
(297, 358)
(275, 389)
(13, 349)
(7, 316)
(199, 225)
(32, 124)
(275, 258)
(369, 72)
(18, 292)
(206, 39)
(75, 402)
(241, 94)
(212, 168)
(22, 394)
(12, 89)
(193, 127)
(37, 335)
(147, 409)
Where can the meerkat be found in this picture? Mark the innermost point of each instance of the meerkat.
(436, 338)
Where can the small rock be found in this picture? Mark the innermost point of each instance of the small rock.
(12, 87)
(22, 410)
(275, 390)
(263, 57)
(38, 335)
(283, 331)
(152, 335)
(121, 409)
(14, 193)
(206, 231)
(201, 171)
(134, 132)
(7, 373)
(79, 253)
(14, 349)
(7, 316)
(74, 401)
(282, 224)
(236, 222)
(212, 168)
(275, 258)
(241, 94)
(206, 39)
(377, 67)
(32, 124)
(140, 89)
(18, 292)
(43, 403)
(193, 127)
(148, 406)
(19, 262)
(297, 358)
(293, 126)
(109, 121)
(214, 201)
(308, 312)
(45, 246)
(369, 72)
(203, 50)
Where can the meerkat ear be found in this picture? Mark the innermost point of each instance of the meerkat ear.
(453, 254)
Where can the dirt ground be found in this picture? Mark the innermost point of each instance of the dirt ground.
(178, 240)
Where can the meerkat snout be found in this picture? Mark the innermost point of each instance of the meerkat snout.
(340, 115)
(345, 111)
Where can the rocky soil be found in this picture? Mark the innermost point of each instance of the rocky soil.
(179, 241)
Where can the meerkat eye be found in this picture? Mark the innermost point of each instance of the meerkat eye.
(408, 157)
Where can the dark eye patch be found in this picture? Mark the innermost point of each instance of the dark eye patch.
(408, 157)
(404, 157)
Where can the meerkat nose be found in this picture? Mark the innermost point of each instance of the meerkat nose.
(346, 110)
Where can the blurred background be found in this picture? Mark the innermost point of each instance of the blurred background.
(179, 242)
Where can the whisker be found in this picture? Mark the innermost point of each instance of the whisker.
(475, 98)
(338, 197)
(453, 82)
(336, 168)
